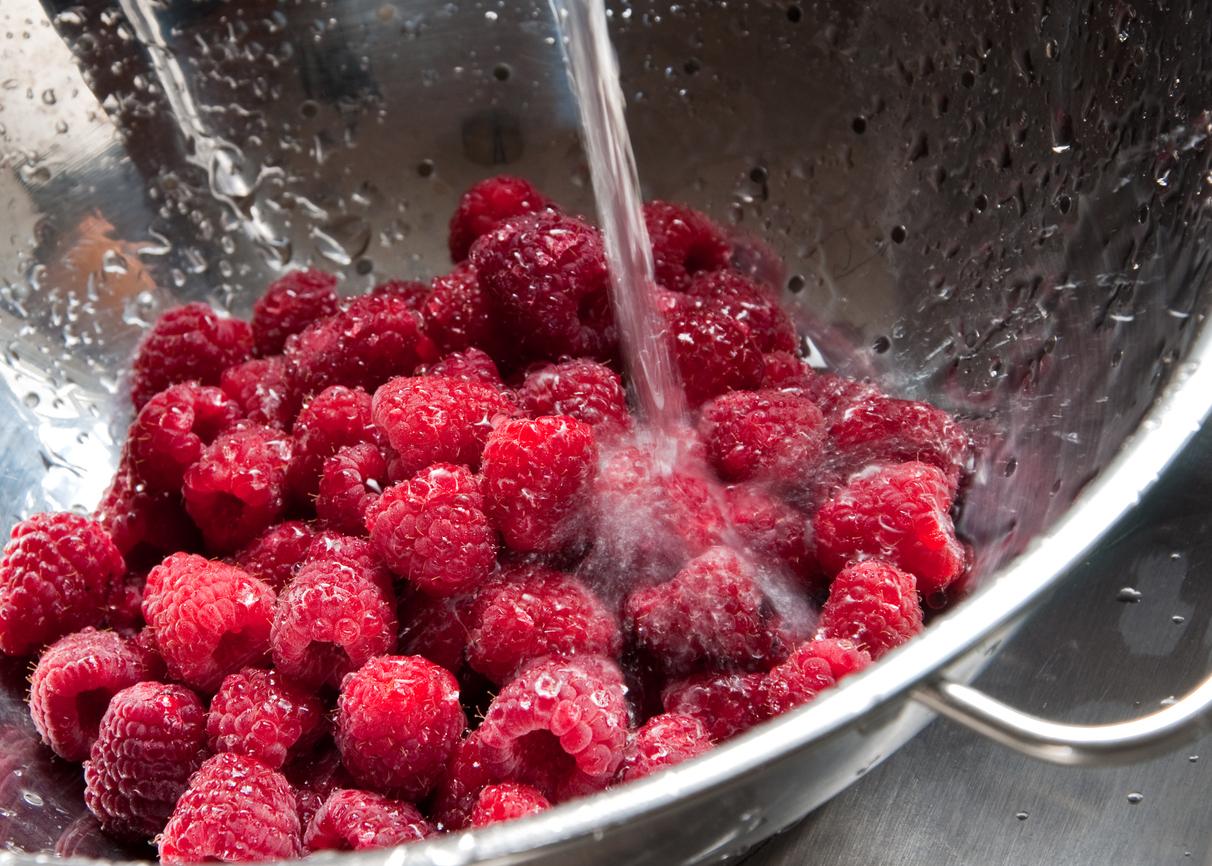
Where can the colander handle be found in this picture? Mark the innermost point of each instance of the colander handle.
(1073, 745)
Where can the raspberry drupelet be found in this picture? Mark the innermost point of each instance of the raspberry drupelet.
(291, 303)
(507, 802)
(353, 820)
(813, 667)
(873, 604)
(259, 713)
(172, 430)
(187, 343)
(486, 205)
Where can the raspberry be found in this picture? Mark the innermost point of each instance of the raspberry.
(814, 666)
(537, 480)
(432, 531)
(873, 604)
(532, 611)
(459, 313)
(335, 616)
(260, 714)
(487, 204)
(726, 704)
(833, 393)
(506, 802)
(144, 525)
(469, 365)
(581, 389)
(73, 683)
(57, 573)
(434, 419)
(897, 513)
(684, 242)
(714, 611)
(775, 531)
(459, 788)
(881, 429)
(398, 721)
(663, 741)
(786, 371)
(352, 820)
(210, 618)
(189, 342)
(561, 726)
(290, 304)
(350, 485)
(336, 417)
(770, 436)
(276, 554)
(151, 739)
(262, 388)
(173, 428)
(314, 775)
(546, 276)
(433, 627)
(237, 488)
(714, 353)
(235, 810)
(749, 303)
(413, 292)
(355, 553)
(124, 610)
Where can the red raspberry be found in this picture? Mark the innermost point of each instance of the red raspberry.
(714, 611)
(260, 714)
(433, 627)
(772, 436)
(432, 531)
(235, 810)
(57, 573)
(469, 365)
(263, 389)
(277, 553)
(684, 242)
(210, 618)
(786, 371)
(538, 475)
(459, 313)
(775, 531)
(726, 704)
(314, 775)
(434, 419)
(144, 526)
(881, 429)
(873, 604)
(398, 721)
(487, 204)
(73, 683)
(350, 485)
(290, 304)
(189, 342)
(173, 428)
(124, 610)
(336, 615)
(561, 726)
(833, 393)
(753, 305)
(150, 741)
(898, 513)
(714, 353)
(459, 788)
(663, 741)
(413, 292)
(352, 820)
(506, 802)
(532, 611)
(581, 389)
(546, 276)
(336, 417)
(814, 666)
(355, 553)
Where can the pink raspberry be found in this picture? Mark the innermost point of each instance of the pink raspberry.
(173, 428)
(261, 714)
(57, 573)
(714, 611)
(873, 604)
(898, 513)
(881, 429)
(785, 371)
(210, 618)
(336, 417)
(684, 242)
(546, 276)
(459, 313)
(776, 531)
(714, 353)
(663, 741)
(507, 801)
(290, 304)
(350, 484)
(151, 739)
(144, 526)
(725, 704)
(237, 488)
(433, 627)
(530, 611)
(772, 436)
(235, 810)
(352, 820)
(469, 365)
(188, 343)
(753, 305)
(538, 475)
(486, 205)
(337, 614)
(581, 389)
(276, 554)
(73, 683)
(434, 419)
(561, 726)
(814, 666)
(263, 389)
(432, 531)
(414, 292)
(314, 775)
(398, 722)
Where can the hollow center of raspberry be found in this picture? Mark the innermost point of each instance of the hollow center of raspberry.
(328, 659)
(544, 760)
(90, 707)
(234, 649)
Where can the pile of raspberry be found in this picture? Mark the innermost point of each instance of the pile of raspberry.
(379, 567)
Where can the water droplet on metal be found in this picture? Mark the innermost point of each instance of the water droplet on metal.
(1178, 619)
(31, 400)
(48, 96)
(1022, 816)
(1128, 595)
(1135, 798)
